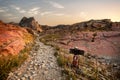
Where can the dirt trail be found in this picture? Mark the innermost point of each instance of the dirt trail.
(41, 65)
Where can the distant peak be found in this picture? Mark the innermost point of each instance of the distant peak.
(32, 18)
(102, 20)
(31, 23)
(24, 17)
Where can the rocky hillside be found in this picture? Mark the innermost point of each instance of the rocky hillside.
(97, 37)
(100, 39)
(13, 39)
(91, 25)
(30, 23)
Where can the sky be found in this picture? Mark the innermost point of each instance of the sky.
(54, 12)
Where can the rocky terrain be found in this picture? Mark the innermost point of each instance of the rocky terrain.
(41, 65)
(106, 41)
(91, 25)
(13, 39)
(106, 44)
(98, 38)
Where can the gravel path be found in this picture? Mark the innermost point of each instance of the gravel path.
(41, 65)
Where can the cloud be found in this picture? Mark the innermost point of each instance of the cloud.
(8, 15)
(56, 5)
(45, 13)
(59, 14)
(15, 7)
(34, 11)
(18, 9)
(83, 14)
(22, 11)
(11, 18)
(51, 13)
(3, 9)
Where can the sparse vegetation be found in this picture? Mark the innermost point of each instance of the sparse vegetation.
(11, 62)
(61, 61)
(89, 67)
(50, 37)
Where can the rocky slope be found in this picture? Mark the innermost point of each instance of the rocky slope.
(13, 39)
(41, 65)
(106, 42)
(30, 23)
(91, 25)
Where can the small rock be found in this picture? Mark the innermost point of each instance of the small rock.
(25, 75)
(31, 62)
(23, 78)
(45, 72)
(19, 73)
(43, 66)
(36, 64)
(33, 72)
(10, 74)
(30, 78)
(35, 68)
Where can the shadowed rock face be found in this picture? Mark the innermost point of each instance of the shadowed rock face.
(31, 23)
(11, 39)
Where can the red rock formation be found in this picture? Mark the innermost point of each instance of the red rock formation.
(31, 23)
(11, 39)
(105, 44)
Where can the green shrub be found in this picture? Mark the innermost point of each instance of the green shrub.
(61, 61)
(71, 77)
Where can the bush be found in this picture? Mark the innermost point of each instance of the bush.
(8, 63)
(71, 77)
(61, 61)
(50, 37)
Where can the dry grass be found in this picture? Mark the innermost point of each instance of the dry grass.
(50, 37)
(28, 38)
(11, 62)
(8, 63)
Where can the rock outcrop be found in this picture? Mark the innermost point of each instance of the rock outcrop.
(30, 23)
(91, 25)
(13, 39)
(116, 26)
